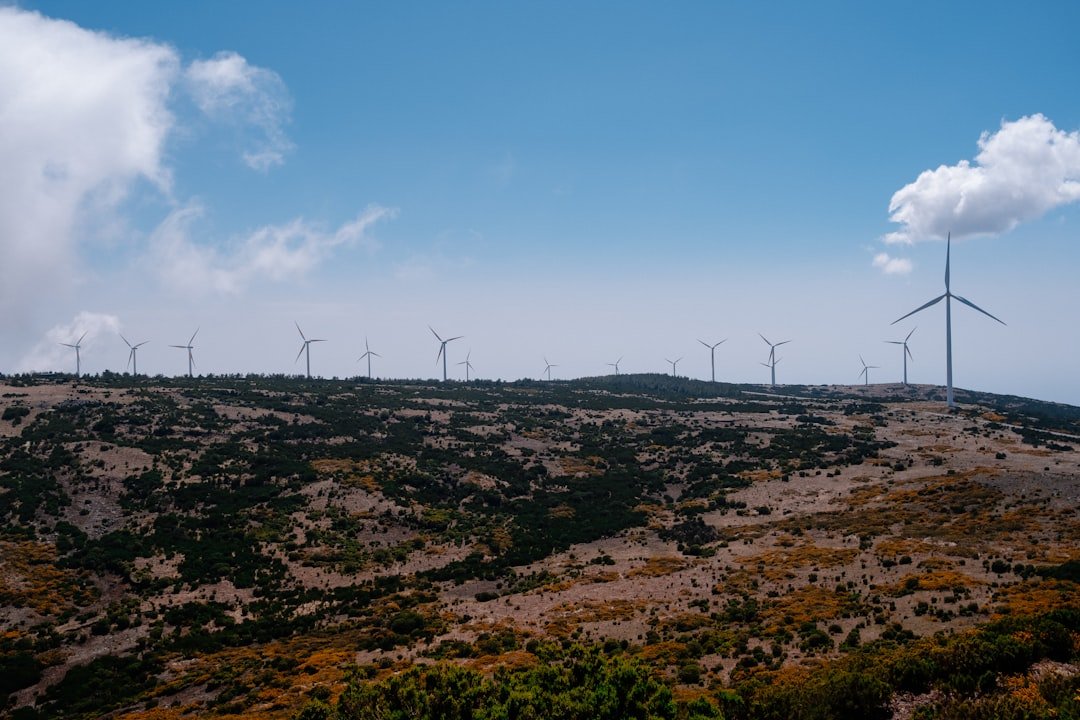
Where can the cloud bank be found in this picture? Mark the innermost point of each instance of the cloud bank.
(1022, 171)
(83, 117)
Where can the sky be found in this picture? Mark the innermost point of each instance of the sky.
(565, 182)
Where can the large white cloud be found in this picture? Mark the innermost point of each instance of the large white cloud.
(227, 87)
(274, 252)
(82, 116)
(1022, 171)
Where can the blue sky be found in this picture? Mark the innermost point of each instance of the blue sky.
(578, 180)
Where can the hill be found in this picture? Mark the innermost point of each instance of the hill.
(262, 547)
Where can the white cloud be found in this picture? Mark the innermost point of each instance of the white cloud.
(228, 88)
(1022, 171)
(50, 354)
(273, 252)
(84, 115)
(892, 265)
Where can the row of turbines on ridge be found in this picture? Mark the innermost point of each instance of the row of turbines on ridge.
(305, 348)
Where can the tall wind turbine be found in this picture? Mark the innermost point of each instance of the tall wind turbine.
(467, 364)
(547, 368)
(305, 348)
(615, 365)
(132, 360)
(189, 347)
(772, 355)
(78, 357)
(907, 352)
(368, 353)
(948, 297)
(712, 354)
(866, 370)
(673, 363)
(442, 349)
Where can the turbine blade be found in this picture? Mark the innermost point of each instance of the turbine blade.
(948, 250)
(130, 355)
(785, 342)
(911, 333)
(125, 340)
(935, 301)
(319, 340)
(862, 361)
(765, 339)
(81, 338)
(375, 354)
(67, 345)
(434, 333)
(454, 338)
(300, 353)
(976, 307)
(193, 335)
(908, 350)
(141, 344)
(895, 342)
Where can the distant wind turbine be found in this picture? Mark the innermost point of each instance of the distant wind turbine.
(442, 349)
(467, 364)
(948, 297)
(305, 348)
(712, 354)
(615, 365)
(547, 368)
(189, 347)
(78, 356)
(771, 364)
(368, 353)
(772, 355)
(907, 352)
(866, 370)
(132, 360)
(673, 363)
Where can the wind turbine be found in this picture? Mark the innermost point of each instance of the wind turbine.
(772, 366)
(305, 349)
(772, 355)
(712, 354)
(948, 297)
(467, 364)
(189, 347)
(866, 370)
(673, 364)
(442, 349)
(132, 360)
(907, 352)
(615, 365)
(547, 368)
(368, 354)
(78, 357)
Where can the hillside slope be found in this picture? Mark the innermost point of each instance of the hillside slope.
(247, 546)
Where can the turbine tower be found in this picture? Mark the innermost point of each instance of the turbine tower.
(712, 354)
(189, 347)
(615, 365)
(467, 364)
(78, 356)
(368, 354)
(442, 349)
(132, 360)
(305, 348)
(866, 370)
(772, 355)
(948, 297)
(907, 352)
(547, 368)
(673, 363)
(771, 364)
